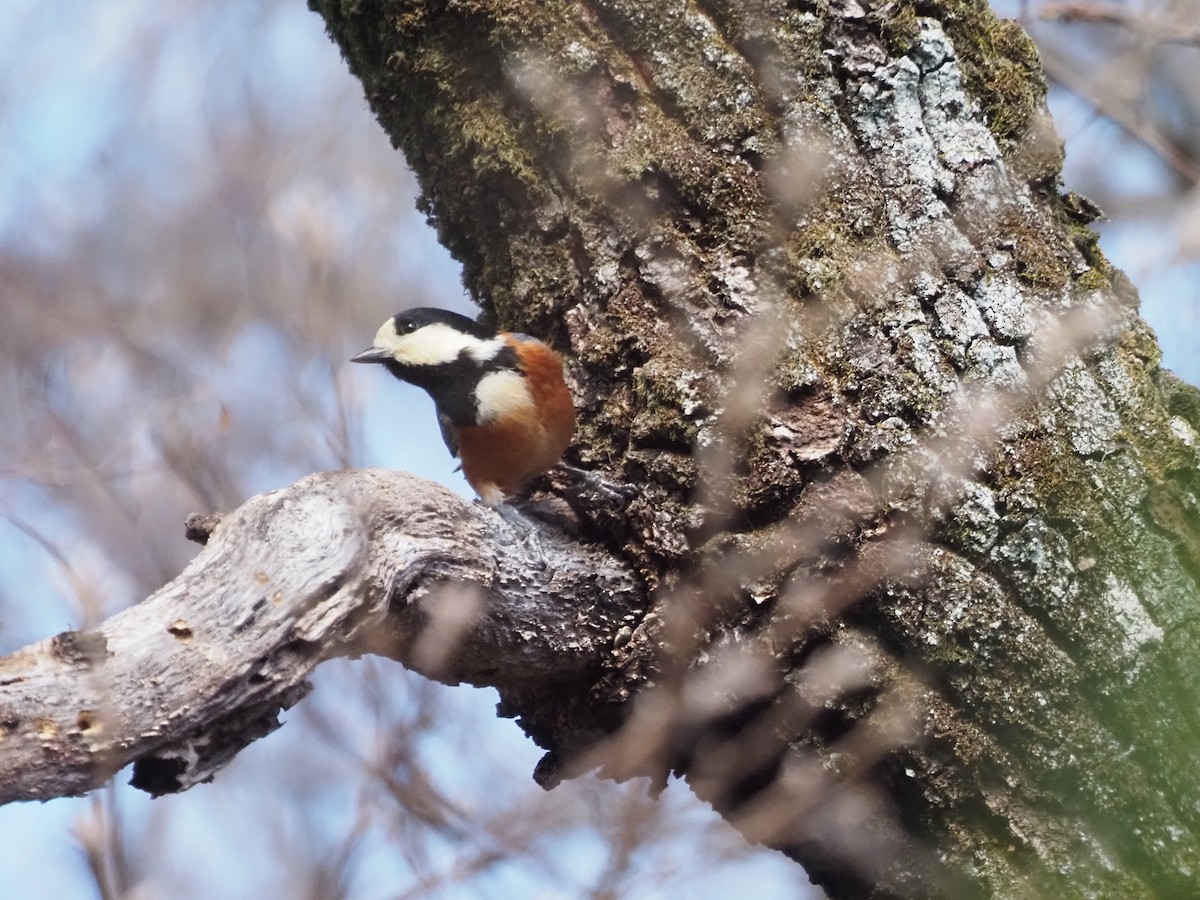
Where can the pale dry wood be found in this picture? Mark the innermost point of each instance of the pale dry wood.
(340, 563)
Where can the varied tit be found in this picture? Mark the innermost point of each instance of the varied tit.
(502, 404)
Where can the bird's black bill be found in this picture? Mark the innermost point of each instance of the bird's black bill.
(372, 355)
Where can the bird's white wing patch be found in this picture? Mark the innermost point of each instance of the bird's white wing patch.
(502, 393)
(482, 351)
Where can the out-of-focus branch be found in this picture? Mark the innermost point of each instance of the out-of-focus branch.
(338, 564)
(1122, 114)
(1164, 30)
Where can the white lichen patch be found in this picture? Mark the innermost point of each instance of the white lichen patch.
(1114, 374)
(688, 384)
(1042, 556)
(926, 360)
(978, 523)
(740, 285)
(1086, 414)
(1182, 430)
(968, 147)
(1002, 302)
(961, 145)
(581, 56)
(724, 83)
(928, 139)
(1129, 613)
(995, 363)
(890, 124)
(958, 320)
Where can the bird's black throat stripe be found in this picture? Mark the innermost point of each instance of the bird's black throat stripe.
(452, 385)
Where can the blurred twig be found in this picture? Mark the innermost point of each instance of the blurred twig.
(1161, 29)
(1124, 115)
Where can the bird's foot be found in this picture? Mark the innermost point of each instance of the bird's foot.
(618, 493)
(513, 518)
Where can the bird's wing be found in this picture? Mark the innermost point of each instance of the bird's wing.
(447, 428)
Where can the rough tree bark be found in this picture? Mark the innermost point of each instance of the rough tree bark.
(917, 509)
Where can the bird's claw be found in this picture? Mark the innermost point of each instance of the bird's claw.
(620, 493)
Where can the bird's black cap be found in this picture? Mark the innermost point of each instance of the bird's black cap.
(412, 319)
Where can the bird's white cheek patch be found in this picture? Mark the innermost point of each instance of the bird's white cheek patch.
(433, 345)
(501, 394)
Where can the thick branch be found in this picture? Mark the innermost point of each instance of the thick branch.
(337, 564)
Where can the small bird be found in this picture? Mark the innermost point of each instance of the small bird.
(503, 406)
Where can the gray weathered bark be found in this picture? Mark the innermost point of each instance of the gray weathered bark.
(917, 507)
(341, 563)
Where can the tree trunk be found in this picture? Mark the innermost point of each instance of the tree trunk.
(917, 510)
(885, 402)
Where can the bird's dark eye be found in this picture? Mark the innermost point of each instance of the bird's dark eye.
(405, 326)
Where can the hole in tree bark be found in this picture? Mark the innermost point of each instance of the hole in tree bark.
(180, 629)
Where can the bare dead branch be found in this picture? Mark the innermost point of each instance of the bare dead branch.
(340, 563)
